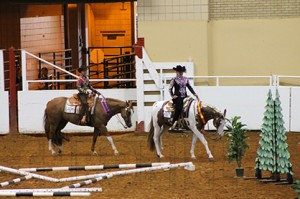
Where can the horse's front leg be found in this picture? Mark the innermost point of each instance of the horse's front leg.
(95, 136)
(109, 138)
(192, 152)
(203, 140)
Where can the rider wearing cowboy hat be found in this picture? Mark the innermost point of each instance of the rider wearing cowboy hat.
(179, 83)
(83, 84)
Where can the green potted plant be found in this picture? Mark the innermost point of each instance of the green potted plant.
(237, 143)
(296, 187)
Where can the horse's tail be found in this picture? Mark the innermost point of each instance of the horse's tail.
(46, 124)
(150, 136)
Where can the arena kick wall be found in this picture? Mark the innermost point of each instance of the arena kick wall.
(33, 103)
(245, 101)
(4, 112)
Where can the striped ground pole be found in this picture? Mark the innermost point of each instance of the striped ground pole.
(3, 184)
(43, 194)
(95, 167)
(87, 182)
(25, 173)
(90, 189)
(187, 165)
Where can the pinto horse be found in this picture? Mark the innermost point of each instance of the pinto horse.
(193, 121)
(55, 119)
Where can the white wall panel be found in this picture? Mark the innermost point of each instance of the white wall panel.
(295, 109)
(4, 112)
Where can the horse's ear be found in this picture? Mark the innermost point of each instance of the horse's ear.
(127, 103)
(224, 114)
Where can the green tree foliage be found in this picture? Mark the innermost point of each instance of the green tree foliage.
(281, 147)
(237, 140)
(265, 151)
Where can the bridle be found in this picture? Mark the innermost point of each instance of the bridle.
(120, 120)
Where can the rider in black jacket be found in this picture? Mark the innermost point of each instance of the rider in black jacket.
(179, 83)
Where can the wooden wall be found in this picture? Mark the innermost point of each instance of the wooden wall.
(10, 26)
(41, 34)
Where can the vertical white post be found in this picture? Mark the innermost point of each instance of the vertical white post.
(2, 81)
(24, 72)
(140, 89)
(161, 86)
(270, 80)
(217, 81)
(275, 80)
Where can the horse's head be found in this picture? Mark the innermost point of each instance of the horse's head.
(126, 113)
(219, 122)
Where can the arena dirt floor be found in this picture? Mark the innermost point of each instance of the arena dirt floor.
(209, 180)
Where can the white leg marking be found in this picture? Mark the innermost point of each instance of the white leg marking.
(109, 138)
(51, 147)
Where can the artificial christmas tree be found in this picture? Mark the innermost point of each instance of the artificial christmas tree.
(265, 159)
(282, 155)
(273, 152)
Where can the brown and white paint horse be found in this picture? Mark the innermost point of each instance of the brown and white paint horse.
(158, 125)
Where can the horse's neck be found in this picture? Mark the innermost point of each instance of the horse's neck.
(211, 114)
(115, 106)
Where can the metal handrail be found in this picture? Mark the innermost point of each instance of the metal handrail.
(225, 77)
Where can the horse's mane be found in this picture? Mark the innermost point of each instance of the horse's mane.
(212, 107)
(114, 101)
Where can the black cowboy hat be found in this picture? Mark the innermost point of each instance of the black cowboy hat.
(83, 68)
(179, 68)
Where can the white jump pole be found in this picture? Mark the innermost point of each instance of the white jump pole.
(87, 182)
(94, 167)
(187, 165)
(44, 194)
(41, 177)
(3, 184)
(90, 189)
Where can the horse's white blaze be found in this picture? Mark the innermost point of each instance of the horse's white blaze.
(220, 130)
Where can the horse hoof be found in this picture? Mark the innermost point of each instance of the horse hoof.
(193, 157)
(94, 153)
(160, 156)
(54, 153)
(117, 153)
(211, 159)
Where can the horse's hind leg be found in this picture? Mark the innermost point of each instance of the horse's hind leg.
(157, 140)
(61, 125)
(95, 136)
(160, 138)
(50, 141)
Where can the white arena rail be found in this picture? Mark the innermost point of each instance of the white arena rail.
(4, 115)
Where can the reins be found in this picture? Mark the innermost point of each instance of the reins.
(106, 109)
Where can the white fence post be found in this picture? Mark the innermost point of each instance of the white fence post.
(2, 81)
(24, 71)
(140, 89)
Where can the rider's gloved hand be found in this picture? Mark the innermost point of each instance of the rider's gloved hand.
(174, 96)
